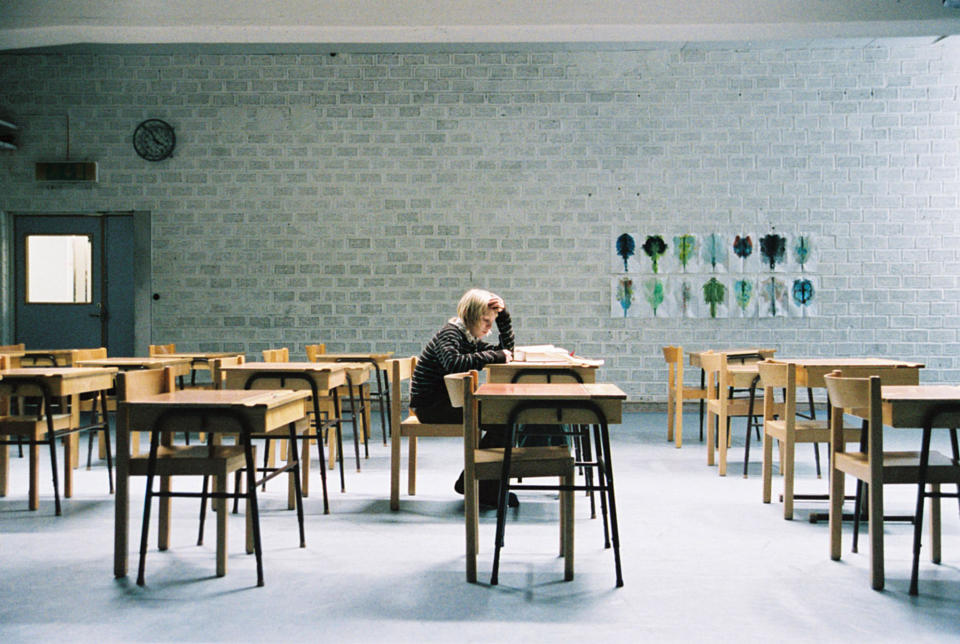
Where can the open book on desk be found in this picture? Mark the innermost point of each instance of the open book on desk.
(548, 353)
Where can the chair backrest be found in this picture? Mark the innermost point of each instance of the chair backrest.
(471, 413)
(276, 355)
(862, 396)
(5, 348)
(88, 354)
(216, 369)
(715, 366)
(162, 349)
(399, 369)
(673, 355)
(456, 383)
(778, 375)
(314, 351)
(137, 383)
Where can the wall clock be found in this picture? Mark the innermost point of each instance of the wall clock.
(154, 140)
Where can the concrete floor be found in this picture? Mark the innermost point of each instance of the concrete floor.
(703, 560)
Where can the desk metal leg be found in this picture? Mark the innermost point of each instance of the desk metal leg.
(602, 483)
(353, 412)
(383, 393)
(502, 501)
(615, 532)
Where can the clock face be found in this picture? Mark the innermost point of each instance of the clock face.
(154, 140)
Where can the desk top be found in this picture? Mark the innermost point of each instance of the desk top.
(552, 391)
(810, 371)
(908, 405)
(291, 367)
(150, 362)
(200, 355)
(219, 398)
(839, 363)
(64, 381)
(326, 375)
(733, 354)
(65, 373)
(500, 401)
(505, 371)
(380, 357)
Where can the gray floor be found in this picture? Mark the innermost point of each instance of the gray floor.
(703, 559)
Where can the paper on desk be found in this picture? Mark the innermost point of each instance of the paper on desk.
(551, 353)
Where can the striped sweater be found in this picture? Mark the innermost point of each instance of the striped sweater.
(454, 350)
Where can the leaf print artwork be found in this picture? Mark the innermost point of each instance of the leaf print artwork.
(653, 292)
(625, 248)
(803, 293)
(772, 248)
(773, 290)
(714, 293)
(801, 250)
(654, 247)
(743, 293)
(686, 298)
(625, 294)
(714, 250)
(685, 247)
(743, 246)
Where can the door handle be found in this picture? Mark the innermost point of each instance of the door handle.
(101, 311)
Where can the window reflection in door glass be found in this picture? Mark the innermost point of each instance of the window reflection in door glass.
(59, 269)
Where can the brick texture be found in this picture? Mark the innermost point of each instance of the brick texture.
(351, 198)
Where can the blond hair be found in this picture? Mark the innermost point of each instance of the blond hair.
(473, 304)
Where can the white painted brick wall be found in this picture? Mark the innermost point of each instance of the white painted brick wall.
(351, 199)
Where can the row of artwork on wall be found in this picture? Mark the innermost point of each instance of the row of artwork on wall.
(713, 276)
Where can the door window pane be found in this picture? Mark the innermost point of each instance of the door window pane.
(59, 269)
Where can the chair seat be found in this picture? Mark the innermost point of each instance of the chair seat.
(192, 460)
(30, 426)
(808, 431)
(741, 406)
(411, 426)
(524, 462)
(900, 467)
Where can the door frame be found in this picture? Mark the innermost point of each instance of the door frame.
(142, 272)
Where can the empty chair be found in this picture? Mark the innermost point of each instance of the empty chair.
(876, 468)
(162, 349)
(722, 405)
(486, 464)
(41, 428)
(788, 429)
(354, 397)
(677, 393)
(211, 459)
(88, 402)
(276, 355)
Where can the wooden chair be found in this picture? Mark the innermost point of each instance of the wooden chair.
(788, 428)
(677, 393)
(162, 349)
(13, 361)
(356, 394)
(42, 428)
(722, 405)
(410, 428)
(276, 355)
(487, 464)
(876, 468)
(88, 402)
(168, 460)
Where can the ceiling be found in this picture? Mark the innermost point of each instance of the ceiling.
(309, 25)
